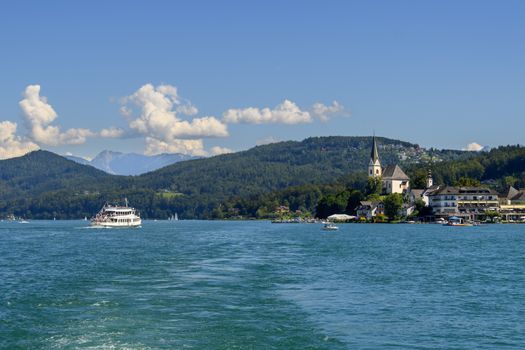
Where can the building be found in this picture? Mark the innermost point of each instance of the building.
(444, 202)
(424, 194)
(394, 179)
(415, 194)
(374, 166)
(407, 209)
(369, 209)
(512, 205)
(471, 203)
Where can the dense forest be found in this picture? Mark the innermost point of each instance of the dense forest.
(43, 185)
(498, 169)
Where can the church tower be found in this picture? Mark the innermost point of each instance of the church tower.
(374, 166)
(430, 181)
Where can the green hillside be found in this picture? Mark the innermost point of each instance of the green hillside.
(44, 185)
(499, 168)
(42, 171)
(283, 164)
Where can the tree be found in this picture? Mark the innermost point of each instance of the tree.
(354, 199)
(509, 181)
(467, 181)
(374, 186)
(393, 204)
(492, 215)
(332, 204)
(421, 208)
(419, 178)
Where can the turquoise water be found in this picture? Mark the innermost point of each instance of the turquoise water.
(256, 285)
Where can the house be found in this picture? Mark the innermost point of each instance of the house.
(512, 204)
(429, 191)
(505, 198)
(407, 209)
(414, 193)
(512, 196)
(370, 209)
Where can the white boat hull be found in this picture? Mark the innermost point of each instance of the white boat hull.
(136, 223)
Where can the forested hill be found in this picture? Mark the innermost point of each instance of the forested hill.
(42, 171)
(284, 164)
(501, 167)
(44, 185)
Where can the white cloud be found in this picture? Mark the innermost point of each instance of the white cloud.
(183, 106)
(187, 109)
(324, 112)
(75, 136)
(39, 115)
(111, 132)
(152, 112)
(474, 146)
(266, 141)
(217, 150)
(35, 107)
(193, 147)
(285, 113)
(157, 117)
(125, 110)
(169, 91)
(12, 145)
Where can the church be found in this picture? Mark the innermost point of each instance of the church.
(393, 178)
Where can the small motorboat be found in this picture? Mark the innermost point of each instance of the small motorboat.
(330, 227)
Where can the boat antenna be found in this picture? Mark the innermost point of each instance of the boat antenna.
(126, 201)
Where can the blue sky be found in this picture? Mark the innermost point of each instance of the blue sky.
(438, 73)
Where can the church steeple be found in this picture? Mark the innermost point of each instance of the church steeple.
(374, 155)
(374, 166)
(430, 181)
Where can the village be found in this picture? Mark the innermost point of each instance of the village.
(432, 204)
(464, 203)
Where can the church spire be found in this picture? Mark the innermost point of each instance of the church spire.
(430, 181)
(374, 166)
(374, 155)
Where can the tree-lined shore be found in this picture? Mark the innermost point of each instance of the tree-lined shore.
(317, 176)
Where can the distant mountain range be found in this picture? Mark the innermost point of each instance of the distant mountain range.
(118, 163)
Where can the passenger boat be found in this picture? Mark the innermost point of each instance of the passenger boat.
(117, 216)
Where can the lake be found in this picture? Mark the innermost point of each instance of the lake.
(257, 285)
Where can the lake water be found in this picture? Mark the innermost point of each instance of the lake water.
(256, 285)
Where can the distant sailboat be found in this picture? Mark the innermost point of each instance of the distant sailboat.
(176, 217)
